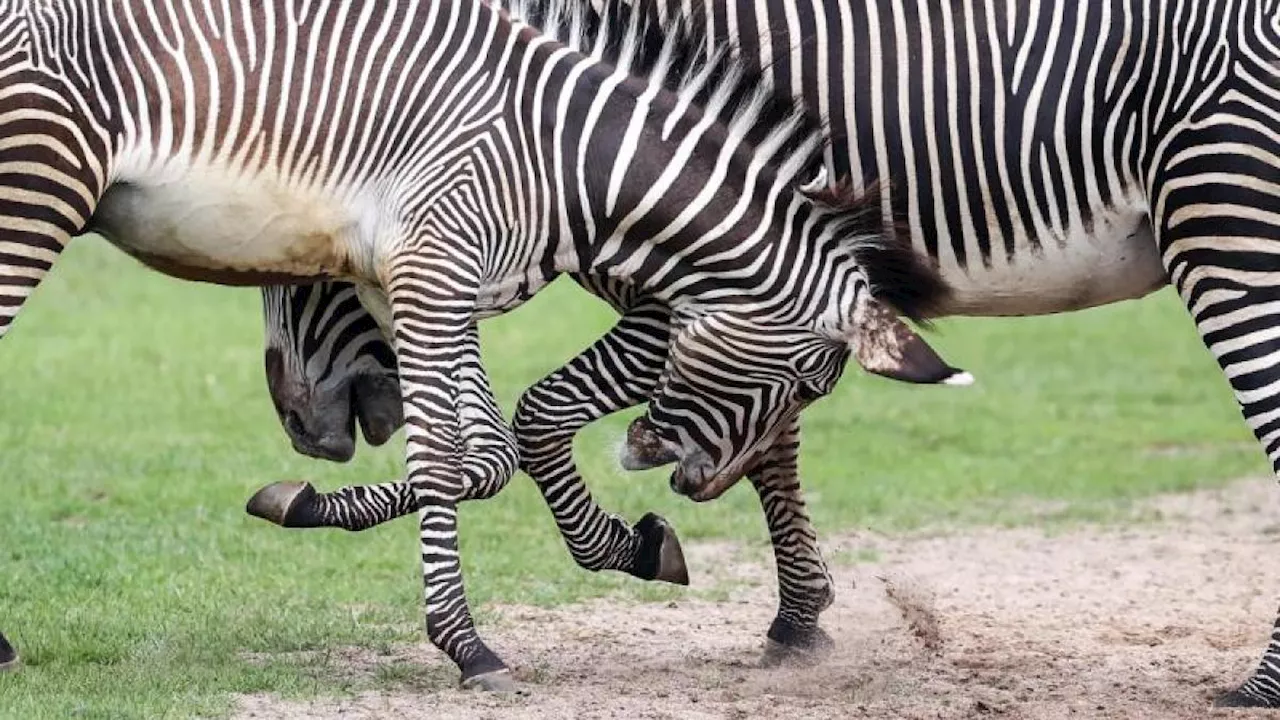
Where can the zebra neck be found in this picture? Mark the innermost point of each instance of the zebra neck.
(652, 190)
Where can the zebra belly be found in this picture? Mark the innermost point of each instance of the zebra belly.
(230, 231)
(1117, 261)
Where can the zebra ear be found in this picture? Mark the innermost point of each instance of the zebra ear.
(884, 345)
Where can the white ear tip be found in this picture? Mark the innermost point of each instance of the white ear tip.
(960, 379)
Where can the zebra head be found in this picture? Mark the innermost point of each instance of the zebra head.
(329, 367)
(735, 381)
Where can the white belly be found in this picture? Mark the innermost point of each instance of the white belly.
(214, 226)
(1118, 260)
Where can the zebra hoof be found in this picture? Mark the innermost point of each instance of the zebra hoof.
(286, 504)
(496, 681)
(660, 556)
(787, 644)
(8, 656)
(1238, 699)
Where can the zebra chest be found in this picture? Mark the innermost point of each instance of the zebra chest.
(229, 231)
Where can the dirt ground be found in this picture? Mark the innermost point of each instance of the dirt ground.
(1150, 620)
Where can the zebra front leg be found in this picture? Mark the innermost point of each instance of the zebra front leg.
(805, 588)
(1219, 237)
(432, 302)
(50, 180)
(353, 507)
(616, 372)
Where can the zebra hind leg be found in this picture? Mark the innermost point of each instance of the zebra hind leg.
(1219, 237)
(805, 588)
(618, 371)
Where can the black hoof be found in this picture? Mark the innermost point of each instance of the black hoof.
(287, 504)
(788, 644)
(496, 681)
(1238, 699)
(8, 656)
(660, 556)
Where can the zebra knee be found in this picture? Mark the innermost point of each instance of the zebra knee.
(524, 425)
(541, 435)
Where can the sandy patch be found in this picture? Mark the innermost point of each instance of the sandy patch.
(1147, 621)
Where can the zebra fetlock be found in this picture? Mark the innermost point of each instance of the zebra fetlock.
(788, 642)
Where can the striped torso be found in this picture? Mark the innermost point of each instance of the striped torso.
(1015, 140)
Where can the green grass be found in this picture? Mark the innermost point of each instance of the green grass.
(134, 423)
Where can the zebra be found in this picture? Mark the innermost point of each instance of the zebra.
(447, 160)
(1048, 157)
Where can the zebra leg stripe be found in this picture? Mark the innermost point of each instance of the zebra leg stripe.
(490, 455)
(1218, 232)
(354, 507)
(360, 507)
(805, 588)
(1263, 688)
(616, 372)
(432, 305)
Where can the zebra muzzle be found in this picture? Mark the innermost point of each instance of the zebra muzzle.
(378, 407)
(696, 478)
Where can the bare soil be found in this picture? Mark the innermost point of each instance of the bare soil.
(1150, 620)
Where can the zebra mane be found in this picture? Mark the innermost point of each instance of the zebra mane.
(677, 54)
(905, 279)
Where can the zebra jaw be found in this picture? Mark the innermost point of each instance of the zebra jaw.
(695, 476)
